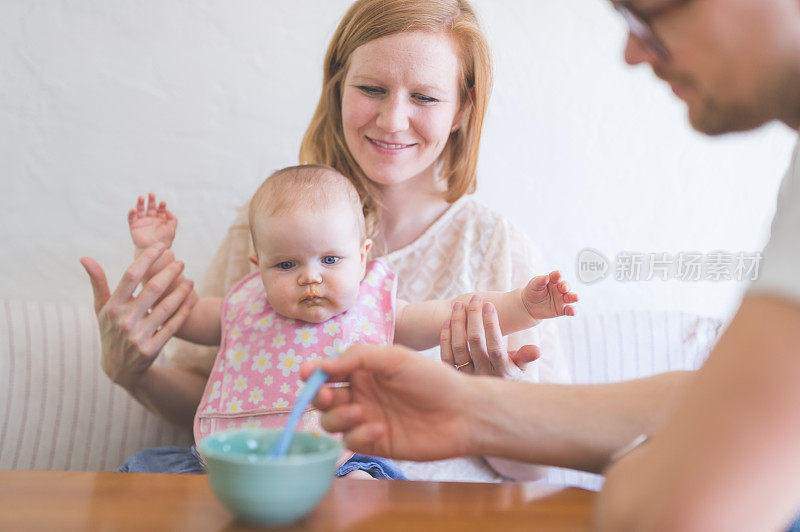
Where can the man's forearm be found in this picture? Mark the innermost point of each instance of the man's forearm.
(578, 427)
(171, 392)
(726, 457)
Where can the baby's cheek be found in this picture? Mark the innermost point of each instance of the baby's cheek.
(278, 300)
(349, 299)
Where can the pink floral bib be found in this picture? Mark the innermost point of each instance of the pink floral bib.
(255, 378)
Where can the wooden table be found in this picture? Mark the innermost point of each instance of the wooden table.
(71, 500)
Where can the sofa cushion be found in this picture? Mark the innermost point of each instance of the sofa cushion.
(58, 410)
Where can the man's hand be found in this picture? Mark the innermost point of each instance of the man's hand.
(547, 296)
(398, 404)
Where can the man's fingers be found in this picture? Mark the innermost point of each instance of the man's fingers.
(376, 360)
(342, 418)
(340, 368)
(308, 368)
(330, 397)
(365, 439)
(99, 282)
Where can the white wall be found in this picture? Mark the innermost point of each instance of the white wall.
(102, 100)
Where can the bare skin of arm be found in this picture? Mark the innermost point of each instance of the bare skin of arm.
(419, 325)
(150, 222)
(474, 335)
(579, 427)
(202, 325)
(727, 457)
(403, 406)
(171, 392)
(132, 337)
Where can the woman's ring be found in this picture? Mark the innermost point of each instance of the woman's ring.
(459, 366)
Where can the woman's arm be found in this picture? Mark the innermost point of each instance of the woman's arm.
(171, 392)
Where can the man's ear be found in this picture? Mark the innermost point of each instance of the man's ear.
(253, 259)
(463, 114)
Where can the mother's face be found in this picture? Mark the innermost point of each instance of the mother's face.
(400, 102)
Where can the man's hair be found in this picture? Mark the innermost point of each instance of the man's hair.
(367, 20)
(307, 186)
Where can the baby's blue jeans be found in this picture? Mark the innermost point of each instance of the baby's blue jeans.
(187, 460)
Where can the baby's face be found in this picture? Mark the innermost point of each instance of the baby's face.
(311, 261)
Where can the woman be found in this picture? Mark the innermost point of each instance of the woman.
(405, 90)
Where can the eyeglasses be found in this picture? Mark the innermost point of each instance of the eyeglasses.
(640, 24)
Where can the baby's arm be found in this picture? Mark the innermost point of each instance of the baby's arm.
(419, 325)
(203, 326)
(153, 223)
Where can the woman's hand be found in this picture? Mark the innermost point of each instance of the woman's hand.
(472, 342)
(133, 329)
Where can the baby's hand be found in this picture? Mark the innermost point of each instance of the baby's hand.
(547, 296)
(156, 224)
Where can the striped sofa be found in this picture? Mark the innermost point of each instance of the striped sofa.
(58, 410)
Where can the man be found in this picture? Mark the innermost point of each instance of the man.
(722, 447)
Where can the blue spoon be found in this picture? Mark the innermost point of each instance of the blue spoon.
(314, 383)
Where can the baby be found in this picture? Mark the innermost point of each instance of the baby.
(314, 294)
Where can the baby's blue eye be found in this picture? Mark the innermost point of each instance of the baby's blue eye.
(330, 259)
(286, 265)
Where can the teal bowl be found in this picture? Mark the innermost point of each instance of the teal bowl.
(269, 491)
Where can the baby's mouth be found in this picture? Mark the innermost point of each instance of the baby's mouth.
(312, 296)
